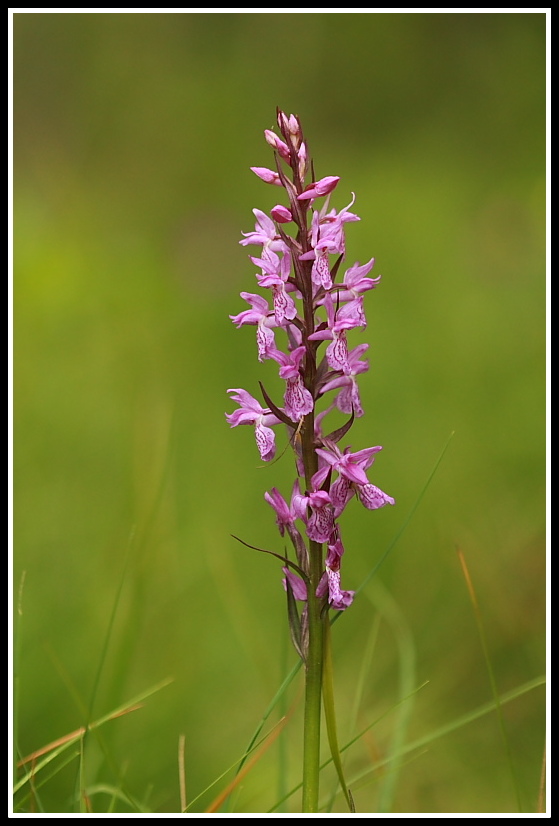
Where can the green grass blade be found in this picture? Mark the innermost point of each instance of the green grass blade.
(134, 703)
(330, 714)
(408, 517)
(116, 794)
(242, 760)
(366, 662)
(459, 722)
(347, 746)
(16, 661)
(32, 773)
(422, 742)
(273, 702)
(45, 778)
(491, 674)
(289, 678)
(54, 750)
(391, 612)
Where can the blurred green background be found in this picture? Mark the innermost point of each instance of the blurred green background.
(133, 138)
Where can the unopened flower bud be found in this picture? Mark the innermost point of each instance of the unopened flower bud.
(277, 144)
(281, 214)
(302, 155)
(267, 175)
(290, 128)
(322, 187)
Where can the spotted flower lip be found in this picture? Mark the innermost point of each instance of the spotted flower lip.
(348, 399)
(373, 497)
(321, 521)
(352, 478)
(339, 321)
(260, 316)
(298, 401)
(329, 586)
(251, 412)
(274, 275)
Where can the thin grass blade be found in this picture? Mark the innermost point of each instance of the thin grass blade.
(330, 714)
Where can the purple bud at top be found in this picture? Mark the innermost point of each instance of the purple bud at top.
(277, 144)
(290, 128)
(293, 125)
(303, 161)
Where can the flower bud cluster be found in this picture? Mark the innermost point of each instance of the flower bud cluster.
(302, 247)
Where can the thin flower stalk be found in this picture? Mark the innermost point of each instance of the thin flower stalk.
(303, 322)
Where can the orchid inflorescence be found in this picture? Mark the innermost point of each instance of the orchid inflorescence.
(309, 304)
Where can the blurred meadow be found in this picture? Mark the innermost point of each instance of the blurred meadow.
(133, 138)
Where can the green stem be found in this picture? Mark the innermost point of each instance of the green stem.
(314, 654)
(313, 687)
(313, 665)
